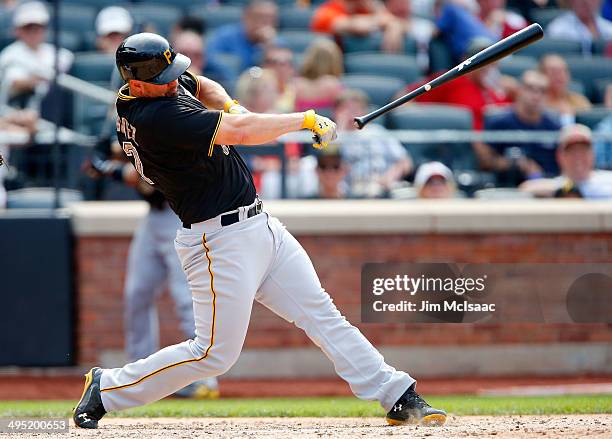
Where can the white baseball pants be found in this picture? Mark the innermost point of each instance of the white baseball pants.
(227, 268)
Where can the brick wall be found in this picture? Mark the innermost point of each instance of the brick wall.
(101, 272)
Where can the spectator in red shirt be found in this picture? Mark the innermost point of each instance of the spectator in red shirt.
(499, 20)
(361, 18)
(476, 90)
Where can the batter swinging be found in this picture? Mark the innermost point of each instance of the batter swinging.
(172, 128)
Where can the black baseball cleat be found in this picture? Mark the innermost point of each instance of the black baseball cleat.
(412, 409)
(90, 410)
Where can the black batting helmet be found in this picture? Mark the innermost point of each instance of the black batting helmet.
(149, 58)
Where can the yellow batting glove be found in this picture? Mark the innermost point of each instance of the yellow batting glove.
(324, 130)
(234, 107)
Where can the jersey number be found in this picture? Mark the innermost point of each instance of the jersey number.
(131, 151)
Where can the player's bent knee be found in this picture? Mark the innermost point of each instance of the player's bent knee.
(219, 358)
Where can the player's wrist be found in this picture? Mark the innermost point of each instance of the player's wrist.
(234, 107)
(229, 104)
(310, 118)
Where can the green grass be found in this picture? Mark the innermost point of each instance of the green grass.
(321, 407)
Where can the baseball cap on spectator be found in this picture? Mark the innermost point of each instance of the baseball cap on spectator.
(432, 169)
(329, 157)
(113, 19)
(31, 13)
(573, 134)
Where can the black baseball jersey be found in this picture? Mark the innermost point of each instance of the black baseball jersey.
(170, 141)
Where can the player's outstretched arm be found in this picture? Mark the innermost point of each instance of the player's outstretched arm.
(256, 128)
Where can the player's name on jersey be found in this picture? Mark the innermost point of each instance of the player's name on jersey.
(124, 127)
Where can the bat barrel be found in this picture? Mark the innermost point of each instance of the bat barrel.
(487, 56)
(503, 48)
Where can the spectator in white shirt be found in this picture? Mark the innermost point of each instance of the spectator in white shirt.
(582, 23)
(376, 160)
(576, 160)
(27, 65)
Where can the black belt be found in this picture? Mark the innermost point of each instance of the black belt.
(232, 218)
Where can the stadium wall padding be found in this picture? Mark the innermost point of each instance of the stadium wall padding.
(36, 290)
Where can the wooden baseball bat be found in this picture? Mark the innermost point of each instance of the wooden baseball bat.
(486, 56)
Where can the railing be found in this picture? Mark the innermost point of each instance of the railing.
(459, 136)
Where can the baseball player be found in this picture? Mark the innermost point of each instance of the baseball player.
(152, 261)
(176, 129)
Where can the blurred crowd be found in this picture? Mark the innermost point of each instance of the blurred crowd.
(342, 58)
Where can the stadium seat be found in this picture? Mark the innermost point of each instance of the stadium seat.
(430, 117)
(352, 43)
(88, 41)
(380, 89)
(502, 194)
(216, 16)
(6, 21)
(298, 41)
(515, 65)
(89, 115)
(549, 45)
(41, 198)
(68, 40)
(593, 116)
(235, 2)
(160, 16)
(183, 5)
(77, 18)
(588, 70)
(433, 117)
(293, 18)
(242, 3)
(600, 89)
(402, 67)
(94, 67)
(403, 193)
(98, 4)
(545, 16)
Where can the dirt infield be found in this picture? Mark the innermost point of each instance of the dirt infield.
(566, 426)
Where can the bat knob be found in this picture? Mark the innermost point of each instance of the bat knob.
(359, 123)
